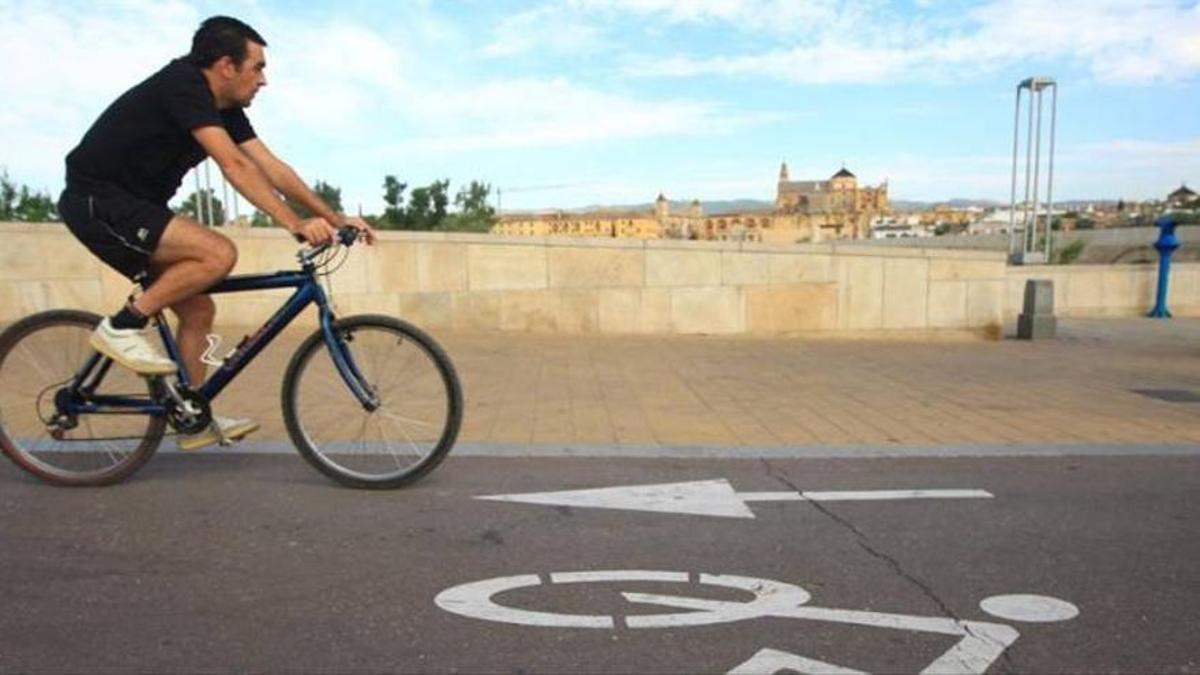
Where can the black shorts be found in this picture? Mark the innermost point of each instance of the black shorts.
(117, 227)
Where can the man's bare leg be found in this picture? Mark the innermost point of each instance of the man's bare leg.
(189, 258)
(195, 323)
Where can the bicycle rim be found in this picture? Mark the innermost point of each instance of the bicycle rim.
(40, 356)
(406, 436)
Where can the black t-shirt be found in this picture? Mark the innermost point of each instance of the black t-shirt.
(143, 142)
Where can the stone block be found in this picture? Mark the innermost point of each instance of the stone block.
(1085, 291)
(503, 267)
(683, 267)
(947, 304)
(795, 268)
(477, 311)
(577, 311)
(619, 310)
(860, 305)
(745, 269)
(529, 311)
(791, 309)
(50, 254)
(441, 267)
(1036, 326)
(905, 293)
(596, 267)
(1038, 298)
(1116, 288)
(390, 267)
(960, 269)
(706, 310)
(985, 304)
(431, 310)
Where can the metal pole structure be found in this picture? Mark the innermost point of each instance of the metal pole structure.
(225, 194)
(1028, 174)
(199, 197)
(1037, 166)
(1036, 217)
(1012, 208)
(208, 206)
(1050, 173)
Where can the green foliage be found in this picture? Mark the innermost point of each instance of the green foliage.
(1069, 253)
(328, 194)
(427, 207)
(20, 204)
(393, 196)
(260, 219)
(196, 207)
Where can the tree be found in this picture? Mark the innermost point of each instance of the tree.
(197, 204)
(260, 219)
(393, 196)
(427, 207)
(23, 205)
(475, 213)
(328, 194)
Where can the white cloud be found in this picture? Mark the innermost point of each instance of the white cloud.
(530, 113)
(1122, 41)
(545, 30)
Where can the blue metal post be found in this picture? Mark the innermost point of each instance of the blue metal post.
(1166, 245)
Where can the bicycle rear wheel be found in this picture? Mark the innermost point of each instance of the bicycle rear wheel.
(40, 357)
(406, 436)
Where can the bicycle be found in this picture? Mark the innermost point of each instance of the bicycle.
(378, 408)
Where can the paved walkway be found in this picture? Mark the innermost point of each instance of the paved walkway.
(653, 392)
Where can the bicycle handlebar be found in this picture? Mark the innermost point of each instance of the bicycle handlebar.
(346, 236)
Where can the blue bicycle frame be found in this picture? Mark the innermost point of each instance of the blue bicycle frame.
(307, 292)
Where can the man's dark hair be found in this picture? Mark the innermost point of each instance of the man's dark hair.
(222, 36)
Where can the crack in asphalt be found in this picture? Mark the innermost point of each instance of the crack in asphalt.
(865, 543)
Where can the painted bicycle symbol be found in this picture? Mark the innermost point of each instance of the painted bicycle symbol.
(979, 643)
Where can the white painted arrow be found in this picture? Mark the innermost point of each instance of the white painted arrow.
(709, 497)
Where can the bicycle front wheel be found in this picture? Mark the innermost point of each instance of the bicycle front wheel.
(419, 404)
(40, 357)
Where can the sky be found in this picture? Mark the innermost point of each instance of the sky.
(569, 103)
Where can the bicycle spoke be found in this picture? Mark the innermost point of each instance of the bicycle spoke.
(391, 442)
(101, 447)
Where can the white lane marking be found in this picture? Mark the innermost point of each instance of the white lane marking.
(770, 661)
(863, 495)
(475, 600)
(710, 497)
(1029, 608)
(700, 498)
(981, 643)
(616, 575)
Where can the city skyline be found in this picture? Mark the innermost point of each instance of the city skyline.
(581, 102)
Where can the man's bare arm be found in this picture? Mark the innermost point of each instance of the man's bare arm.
(287, 181)
(248, 179)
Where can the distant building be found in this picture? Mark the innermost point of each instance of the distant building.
(892, 227)
(1181, 198)
(805, 211)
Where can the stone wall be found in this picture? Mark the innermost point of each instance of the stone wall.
(563, 285)
(1108, 290)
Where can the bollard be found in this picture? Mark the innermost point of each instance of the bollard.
(1166, 245)
(1037, 316)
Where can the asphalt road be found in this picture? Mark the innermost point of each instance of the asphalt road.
(220, 562)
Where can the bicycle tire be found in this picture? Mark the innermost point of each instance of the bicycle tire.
(20, 443)
(320, 445)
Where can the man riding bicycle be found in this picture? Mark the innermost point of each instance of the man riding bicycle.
(129, 165)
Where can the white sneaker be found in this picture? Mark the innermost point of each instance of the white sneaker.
(231, 429)
(130, 348)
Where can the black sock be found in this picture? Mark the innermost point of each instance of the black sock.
(129, 317)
